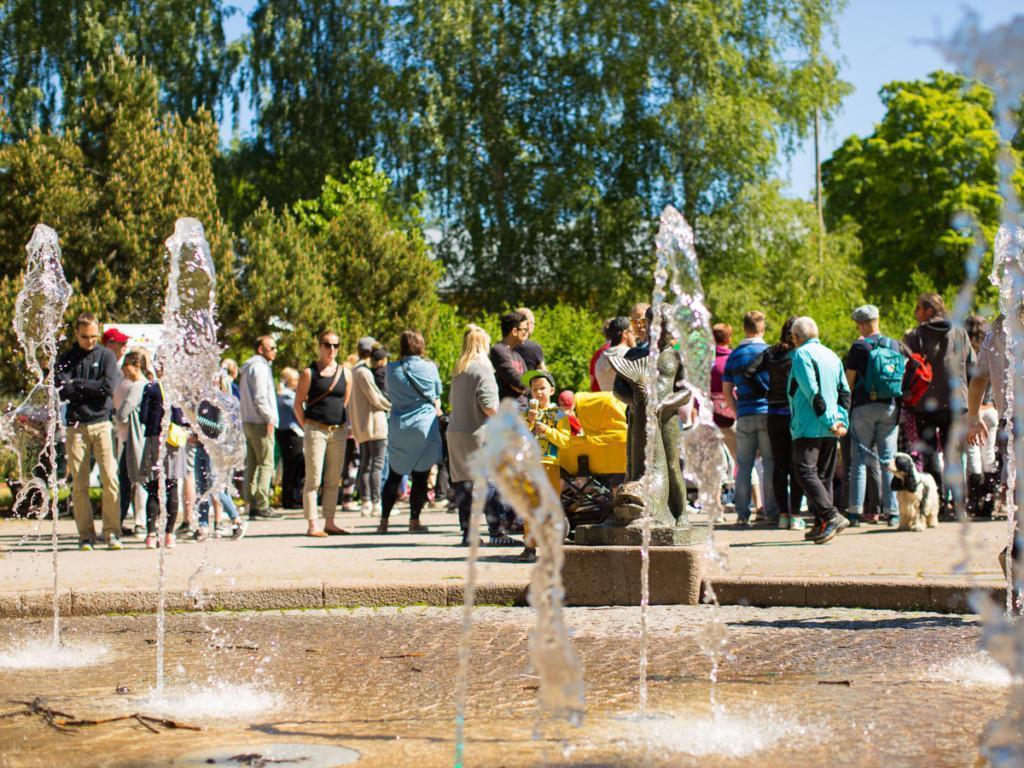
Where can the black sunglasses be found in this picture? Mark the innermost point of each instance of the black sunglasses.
(329, 345)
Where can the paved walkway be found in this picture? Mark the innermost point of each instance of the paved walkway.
(277, 554)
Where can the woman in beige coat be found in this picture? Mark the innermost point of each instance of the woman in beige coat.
(368, 413)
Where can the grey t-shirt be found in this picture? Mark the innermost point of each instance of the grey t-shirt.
(992, 364)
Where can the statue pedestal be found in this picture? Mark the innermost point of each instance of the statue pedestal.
(632, 535)
(611, 575)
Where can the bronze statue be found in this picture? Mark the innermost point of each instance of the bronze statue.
(668, 506)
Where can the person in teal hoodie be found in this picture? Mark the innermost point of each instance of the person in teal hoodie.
(819, 401)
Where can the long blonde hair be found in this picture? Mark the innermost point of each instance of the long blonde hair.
(476, 347)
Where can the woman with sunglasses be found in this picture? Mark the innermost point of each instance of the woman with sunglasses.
(320, 402)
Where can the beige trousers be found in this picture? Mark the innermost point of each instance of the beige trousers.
(95, 440)
(324, 452)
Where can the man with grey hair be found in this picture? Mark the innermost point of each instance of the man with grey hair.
(818, 401)
(874, 371)
(259, 422)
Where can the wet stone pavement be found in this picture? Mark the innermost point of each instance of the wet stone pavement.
(799, 687)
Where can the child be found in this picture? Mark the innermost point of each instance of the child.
(543, 415)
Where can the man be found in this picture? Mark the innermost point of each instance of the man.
(86, 376)
(621, 339)
(509, 367)
(949, 352)
(818, 419)
(874, 371)
(638, 318)
(259, 421)
(115, 341)
(530, 350)
(595, 385)
(746, 394)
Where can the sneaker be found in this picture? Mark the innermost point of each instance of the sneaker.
(202, 533)
(151, 541)
(870, 517)
(503, 541)
(238, 531)
(140, 532)
(743, 522)
(797, 523)
(264, 514)
(366, 509)
(815, 530)
(126, 531)
(833, 527)
(85, 545)
(169, 541)
(854, 520)
(113, 542)
(377, 508)
(894, 521)
(784, 522)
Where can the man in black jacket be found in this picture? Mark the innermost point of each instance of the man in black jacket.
(86, 376)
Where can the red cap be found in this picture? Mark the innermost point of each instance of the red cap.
(112, 334)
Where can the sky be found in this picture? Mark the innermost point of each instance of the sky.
(878, 41)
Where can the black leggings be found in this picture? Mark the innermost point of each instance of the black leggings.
(417, 495)
(153, 506)
(788, 493)
(371, 467)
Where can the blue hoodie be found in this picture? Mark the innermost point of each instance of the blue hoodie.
(803, 386)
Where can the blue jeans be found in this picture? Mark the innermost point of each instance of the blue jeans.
(872, 425)
(203, 478)
(751, 438)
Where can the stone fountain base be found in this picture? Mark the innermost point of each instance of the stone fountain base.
(611, 575)
(632, 535)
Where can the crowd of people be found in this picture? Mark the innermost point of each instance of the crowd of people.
(808, 434)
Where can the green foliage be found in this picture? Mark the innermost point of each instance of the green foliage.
(569, 336)
(763, 254)
(932, 157)
(340, 261)
(112, 183)
(546, 135)
(49, 44)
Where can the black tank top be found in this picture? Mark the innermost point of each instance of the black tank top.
(327, 410)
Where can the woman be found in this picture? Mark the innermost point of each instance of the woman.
(723, 416)
(289, 440)
(777, 362)
(131, 436)
(320, 402)
(151, 414)
(414, 435)
(982, 467)
(474, 399)
(369, 421)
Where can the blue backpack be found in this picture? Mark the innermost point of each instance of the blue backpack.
(883, 379)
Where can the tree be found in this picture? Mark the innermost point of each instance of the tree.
(353, 259)
(932, 157)
(47, 45)
(112, 182)
(763, 254)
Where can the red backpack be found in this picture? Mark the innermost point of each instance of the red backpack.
(917, 378)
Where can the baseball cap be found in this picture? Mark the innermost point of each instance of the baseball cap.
(529, 376)
(114, 335)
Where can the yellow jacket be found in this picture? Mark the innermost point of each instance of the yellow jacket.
(603, 441)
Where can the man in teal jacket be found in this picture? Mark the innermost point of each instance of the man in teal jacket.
(819, 401)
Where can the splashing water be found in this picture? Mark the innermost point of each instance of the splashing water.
(996, 57)
(189, 357)
(214, 700)
(31, 654)
(34, 428)
(468, 599)
(736, 735)
(511, 459)
(681, 315)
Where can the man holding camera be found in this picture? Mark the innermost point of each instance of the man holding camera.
(819, 401)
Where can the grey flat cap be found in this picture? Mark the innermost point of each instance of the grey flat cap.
(865, 314)
(365, 345)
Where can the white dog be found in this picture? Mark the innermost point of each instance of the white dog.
(917, 494)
